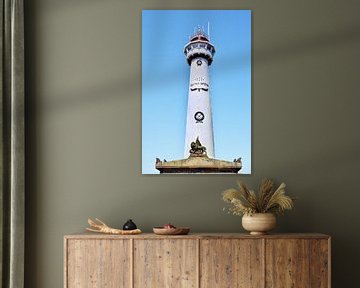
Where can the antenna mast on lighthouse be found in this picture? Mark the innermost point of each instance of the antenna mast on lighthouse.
(209, 29)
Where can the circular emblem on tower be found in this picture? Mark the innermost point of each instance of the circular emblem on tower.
(199, 117)
(199, 62)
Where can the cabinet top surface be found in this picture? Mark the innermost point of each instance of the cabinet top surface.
(86, 235)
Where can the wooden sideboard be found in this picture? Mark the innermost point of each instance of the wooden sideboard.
(197, 260)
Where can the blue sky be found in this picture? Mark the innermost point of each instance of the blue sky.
(165, 80)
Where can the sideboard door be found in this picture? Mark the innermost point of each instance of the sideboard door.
(170, 263)
(297, 263)
(98, 263)
(287, 263)
(230, 263)
(320, 263)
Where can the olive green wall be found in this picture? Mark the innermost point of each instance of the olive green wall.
(83, 72)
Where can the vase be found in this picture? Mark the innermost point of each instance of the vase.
(129, 225)
(259, 223)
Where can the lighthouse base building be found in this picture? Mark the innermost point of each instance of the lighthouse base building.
(199, 153)
(198, 164)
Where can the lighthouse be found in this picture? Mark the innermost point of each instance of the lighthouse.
(199, 153)
(199, 54)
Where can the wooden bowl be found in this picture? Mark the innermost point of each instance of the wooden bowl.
(171, 231)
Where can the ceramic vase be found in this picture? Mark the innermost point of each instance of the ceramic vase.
(259, 223)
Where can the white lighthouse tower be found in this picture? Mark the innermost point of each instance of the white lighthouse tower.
(199, 53)
(199, 155)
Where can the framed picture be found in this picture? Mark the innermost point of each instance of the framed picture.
(196, 91)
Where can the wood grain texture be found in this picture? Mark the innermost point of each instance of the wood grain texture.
(166, 263)
(98, 264)
(231, 263)
(287, 263)
(319, 263)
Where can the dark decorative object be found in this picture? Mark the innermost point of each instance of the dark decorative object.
(129, 225)
(197, 149)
